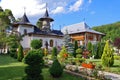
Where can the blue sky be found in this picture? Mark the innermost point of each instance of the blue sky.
(67, 12)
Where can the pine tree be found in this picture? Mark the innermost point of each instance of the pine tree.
(75, 48)
(67, 42)
(107, 56)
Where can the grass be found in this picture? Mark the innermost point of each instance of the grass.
(114, 69)
(11, 69)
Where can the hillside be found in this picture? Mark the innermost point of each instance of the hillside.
(111, 30)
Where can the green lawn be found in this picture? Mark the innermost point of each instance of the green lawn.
(114, 69)
(11, 69)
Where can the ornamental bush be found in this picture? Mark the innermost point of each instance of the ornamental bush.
(20, 54)
(36, 44)
(107, 56)
(35, 62)
(79, 51)
(56, 69)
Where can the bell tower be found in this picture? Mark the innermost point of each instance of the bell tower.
(46, 21)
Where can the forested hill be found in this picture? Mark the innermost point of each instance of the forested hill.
(112, 31)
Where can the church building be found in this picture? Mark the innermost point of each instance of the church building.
(50, 38)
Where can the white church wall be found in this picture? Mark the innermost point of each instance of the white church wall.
(26, 42)
(56, 41)
(21, 29)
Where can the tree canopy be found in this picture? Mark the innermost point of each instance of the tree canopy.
(111, 30)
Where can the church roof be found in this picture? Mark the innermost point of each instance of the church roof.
(79, 28)
(51, 33)
(46, 16)
(25, 19)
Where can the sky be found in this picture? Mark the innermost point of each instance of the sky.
(67, 12)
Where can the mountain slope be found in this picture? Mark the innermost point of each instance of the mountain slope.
(111, 30)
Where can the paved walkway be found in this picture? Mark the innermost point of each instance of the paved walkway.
(112, 76)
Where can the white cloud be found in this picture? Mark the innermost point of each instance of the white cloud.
(76, 6)
(59, 9)
(33, 7)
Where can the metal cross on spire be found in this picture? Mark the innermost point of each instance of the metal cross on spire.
(46, 5)
(24, 9)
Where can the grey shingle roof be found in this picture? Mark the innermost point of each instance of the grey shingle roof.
(79, 28)
(46, 16)
(25, 19)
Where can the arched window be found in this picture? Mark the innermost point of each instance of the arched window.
(51, 43)
(25, 31)
(41, 41)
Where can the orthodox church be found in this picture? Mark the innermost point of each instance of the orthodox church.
(50, 38)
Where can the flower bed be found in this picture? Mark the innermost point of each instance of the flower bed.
(88, 65)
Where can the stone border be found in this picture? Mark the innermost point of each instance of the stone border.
(80, 75)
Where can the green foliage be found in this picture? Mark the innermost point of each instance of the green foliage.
(116, 57)
(4, 18)
(75, 48)
(36, 44)
(62, 52)
(99, 50)
(107, 56)
(13, 53)
(79, 56)
(13, 43)
(20, 54)
(79, 51)
(54, 52)
(89, 46)
(56, 69)
(34, 57)
(39, 24)
(111, 30)
(35, 62)
(67, 43)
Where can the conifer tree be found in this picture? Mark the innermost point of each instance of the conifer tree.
(56, 69)
(89, 46)
(20, 53)
(67, 43)
(107, 56)
(54, 52)
(75, 48)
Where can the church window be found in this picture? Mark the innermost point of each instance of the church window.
(25, 31)
(51, 43)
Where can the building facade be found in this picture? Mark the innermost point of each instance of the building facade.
(82, 33)
(49, 37)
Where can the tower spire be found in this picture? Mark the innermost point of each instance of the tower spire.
(24, 10)
(46, 21)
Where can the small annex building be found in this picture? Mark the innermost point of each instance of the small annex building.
(82, 33)
(49, 37)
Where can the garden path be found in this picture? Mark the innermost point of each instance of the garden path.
(112, 76)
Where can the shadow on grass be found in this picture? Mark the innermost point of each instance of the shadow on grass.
(6, 59)
(116, 66)
(65, 76)
(12, 73)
